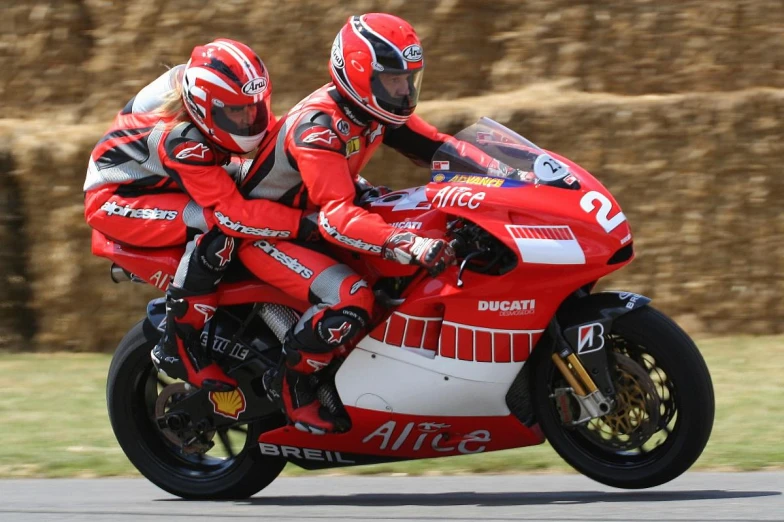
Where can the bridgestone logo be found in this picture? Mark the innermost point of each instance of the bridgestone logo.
(113, 209)
(236, 226)
(284, 259)
(350, 241)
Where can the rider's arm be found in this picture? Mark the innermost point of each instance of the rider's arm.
(419, 141)
(320, 155)
(194, 165)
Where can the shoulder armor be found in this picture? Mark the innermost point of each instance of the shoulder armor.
(185, 143)
(316, 131)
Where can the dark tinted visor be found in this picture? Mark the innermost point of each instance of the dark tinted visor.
(242, 120)
(397, 91)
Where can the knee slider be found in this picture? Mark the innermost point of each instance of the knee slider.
(337, 327)
(215, 251)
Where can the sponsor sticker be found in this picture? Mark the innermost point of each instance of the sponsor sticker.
(458, 197)
(337, 53)
(440, 165)
(228, 404)
(411, 225)
(343, 127)
(255, 86)
(506, 308)
(221, 345)
(590, 338)
(352, 146)
(292, 452)
(478, 180)
(413, 436)
(412, 53)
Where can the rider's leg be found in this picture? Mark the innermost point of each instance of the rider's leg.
(191, 301)
(176, 217)
(342, 303)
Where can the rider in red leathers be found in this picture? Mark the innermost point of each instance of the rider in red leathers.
(324, 142)
(164, 175)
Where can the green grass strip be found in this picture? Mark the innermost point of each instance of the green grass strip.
(54, 421)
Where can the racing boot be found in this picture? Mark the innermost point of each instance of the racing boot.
(293, 387)
(180, 354)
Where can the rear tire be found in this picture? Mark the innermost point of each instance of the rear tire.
(131, 392)
(682, 416)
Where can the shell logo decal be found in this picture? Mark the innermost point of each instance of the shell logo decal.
(228, 404)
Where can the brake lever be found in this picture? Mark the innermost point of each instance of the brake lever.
(464, 264)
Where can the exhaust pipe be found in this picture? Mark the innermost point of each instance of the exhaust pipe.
(119, 274)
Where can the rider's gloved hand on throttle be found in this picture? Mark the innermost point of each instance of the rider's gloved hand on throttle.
(407, 248)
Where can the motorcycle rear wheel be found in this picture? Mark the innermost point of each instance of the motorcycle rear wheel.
(666, 406)
(133, 389)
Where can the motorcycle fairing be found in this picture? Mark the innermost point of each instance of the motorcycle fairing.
(394, 436)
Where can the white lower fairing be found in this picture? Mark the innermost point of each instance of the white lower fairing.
(381, 377)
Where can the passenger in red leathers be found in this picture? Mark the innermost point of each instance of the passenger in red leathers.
(323, 144)
(163, 175)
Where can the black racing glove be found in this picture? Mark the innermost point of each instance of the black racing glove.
(434, 255)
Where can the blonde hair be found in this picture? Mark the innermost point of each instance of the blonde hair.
(173, 106)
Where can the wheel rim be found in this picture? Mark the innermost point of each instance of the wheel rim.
(645, 423)
(153, 395)
(636, 414)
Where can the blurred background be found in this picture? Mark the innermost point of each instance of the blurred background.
(675, 105)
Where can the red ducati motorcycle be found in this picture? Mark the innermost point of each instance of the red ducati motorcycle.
(508, 348)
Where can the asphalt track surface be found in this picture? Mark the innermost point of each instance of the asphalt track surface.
(714, 497)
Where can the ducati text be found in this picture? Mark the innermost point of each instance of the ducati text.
(518, 307)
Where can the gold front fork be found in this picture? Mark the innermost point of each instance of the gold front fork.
(575, 374)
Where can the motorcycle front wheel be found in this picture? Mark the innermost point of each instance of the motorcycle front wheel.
(664, 406)
(229, 466)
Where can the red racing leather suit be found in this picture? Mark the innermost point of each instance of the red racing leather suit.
(154, 181)
(150, 178)
(322, 145)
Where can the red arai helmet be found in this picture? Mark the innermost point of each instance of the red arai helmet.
(377, 64)
(226, 91)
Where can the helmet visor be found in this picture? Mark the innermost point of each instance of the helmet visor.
(241, 120)
(397, 91)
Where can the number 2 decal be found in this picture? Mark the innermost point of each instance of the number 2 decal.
(588, 204)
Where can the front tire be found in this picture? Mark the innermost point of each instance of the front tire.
(132, 392)
(657, 367)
